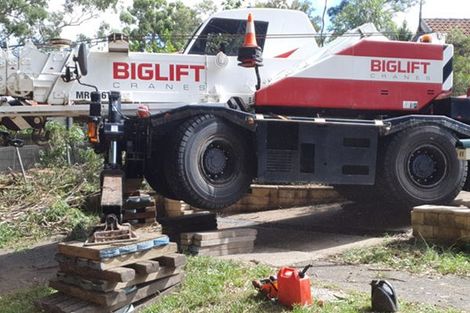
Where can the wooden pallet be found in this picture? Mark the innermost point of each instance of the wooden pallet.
(62, 303)
(117, 298)
(87, 282)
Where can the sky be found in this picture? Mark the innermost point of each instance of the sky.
(431, 9)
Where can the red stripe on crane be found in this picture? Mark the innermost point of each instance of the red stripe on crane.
(346, 94)
(395, 49)
(286, 54)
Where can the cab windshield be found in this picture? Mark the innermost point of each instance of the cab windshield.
(226, 35)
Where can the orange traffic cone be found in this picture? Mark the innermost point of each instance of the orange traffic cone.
(250, 54)
(250, 36)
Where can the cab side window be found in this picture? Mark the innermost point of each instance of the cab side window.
(226, 35)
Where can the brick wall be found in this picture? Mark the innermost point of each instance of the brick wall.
(441, 223)
(263, 197)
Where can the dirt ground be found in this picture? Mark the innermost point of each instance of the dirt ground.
(294, 237)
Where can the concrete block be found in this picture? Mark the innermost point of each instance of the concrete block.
(417, 218)
(423, 231)
(293, 194)
(462, 221)
(446, 233)
(264, 191)
(431, 218)
(465, 235)
(437, 208)
(447, 219)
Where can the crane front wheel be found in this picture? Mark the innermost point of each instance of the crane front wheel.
(210, 165)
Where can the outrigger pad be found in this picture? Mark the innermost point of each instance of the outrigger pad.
(111, 232)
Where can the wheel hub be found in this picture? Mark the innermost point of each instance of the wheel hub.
(216, 162)
(427, 166)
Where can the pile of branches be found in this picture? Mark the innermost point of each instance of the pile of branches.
(44, 194)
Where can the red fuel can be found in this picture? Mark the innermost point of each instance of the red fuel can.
(292, 288)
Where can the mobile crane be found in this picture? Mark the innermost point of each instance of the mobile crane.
(370, 116)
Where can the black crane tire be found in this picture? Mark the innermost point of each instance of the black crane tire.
(210, 165)
(466, 186)
(420, 166)
(154, 172)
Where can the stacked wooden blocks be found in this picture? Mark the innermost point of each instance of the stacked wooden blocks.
(441, 223)
(114, 278)
(218, 243)
(139, 210)
(174, 226)
(176, 208)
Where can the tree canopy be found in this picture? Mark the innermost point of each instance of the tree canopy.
(21, 19)
(18, 17)
(158, 25)
(301, 5)
(461, 61)
(353, 13)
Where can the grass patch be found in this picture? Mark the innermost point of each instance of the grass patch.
(215, 286)
(23, 301)
(413, 255)
(225, 286)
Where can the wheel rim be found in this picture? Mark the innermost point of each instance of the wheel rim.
(218, 162)
(427, 166)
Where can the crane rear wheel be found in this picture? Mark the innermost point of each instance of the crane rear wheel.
(420, 166)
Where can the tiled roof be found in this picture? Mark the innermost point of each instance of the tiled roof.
(445, 25)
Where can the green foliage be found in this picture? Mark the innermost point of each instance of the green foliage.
(461, 61)
(413, 256)
(8, 233)
(22, 19)
(300, 5)
(350, 14)
(158, 25)
(65, 144)
(18, 17)
(231, 4)
(205, 8)
(23, 301)
(403, 33)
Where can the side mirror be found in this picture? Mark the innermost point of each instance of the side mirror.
(82, 59)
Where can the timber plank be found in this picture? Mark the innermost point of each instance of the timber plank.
(77, 249)
(141, 299)
(145, 267)
(225, 233)
(136, 257)
(126, 259)
(172, 260)
(116, 298)
(117, 274)
(111, 194)
(222, 251)
(138, 215)
(230, 245)
(145, 302)
(107, 286)
(216, 242)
